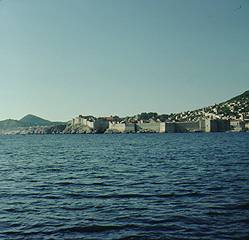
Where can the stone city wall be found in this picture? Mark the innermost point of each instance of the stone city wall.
(122, 127)
(169, 127)
(187, 126)
(148, 126)
(207, 125)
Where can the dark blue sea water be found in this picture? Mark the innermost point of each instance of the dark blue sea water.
(125, 186)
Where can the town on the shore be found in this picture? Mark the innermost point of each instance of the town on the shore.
(232, 115)
(229, 116)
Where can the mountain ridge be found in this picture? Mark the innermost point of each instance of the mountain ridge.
(29, 120)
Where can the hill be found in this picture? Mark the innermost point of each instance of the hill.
(244, 97)
(10, 124)
(234, 108)
(34, 120)
(27, 121)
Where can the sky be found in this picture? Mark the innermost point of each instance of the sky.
(61, 58)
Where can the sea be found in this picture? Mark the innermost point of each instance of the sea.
(125, 186)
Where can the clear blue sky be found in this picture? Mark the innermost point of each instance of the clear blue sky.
(61, 58)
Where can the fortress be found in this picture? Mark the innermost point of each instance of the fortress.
(102, 125)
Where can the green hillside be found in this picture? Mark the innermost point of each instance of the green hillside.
(34, 120)
(27, 121)
(244, 97)
(10, 123)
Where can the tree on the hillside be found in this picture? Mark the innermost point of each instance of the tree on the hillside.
(147, 116)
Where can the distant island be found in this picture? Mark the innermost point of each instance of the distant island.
(231, 115)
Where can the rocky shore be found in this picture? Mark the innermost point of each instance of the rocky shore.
(64, 129)
(55, 129)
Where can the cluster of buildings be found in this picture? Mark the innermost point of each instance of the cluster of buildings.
(238, 125)
(224, 112)
(102, 125)
(232, 115)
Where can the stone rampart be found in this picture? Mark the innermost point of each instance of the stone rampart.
(122, 127)
(148, 126)
(169, 127)
(187, 126)
(207, 125)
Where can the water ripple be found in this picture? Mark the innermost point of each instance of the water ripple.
(129, 186)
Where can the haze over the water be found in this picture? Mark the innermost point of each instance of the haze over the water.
(63, 58)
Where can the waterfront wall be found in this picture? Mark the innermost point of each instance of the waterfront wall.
(97, 125)
(188, 127)
(207, 125)
(169, 127)
(223, 125)
(217, 125)
(155, 127)
(122, 127)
